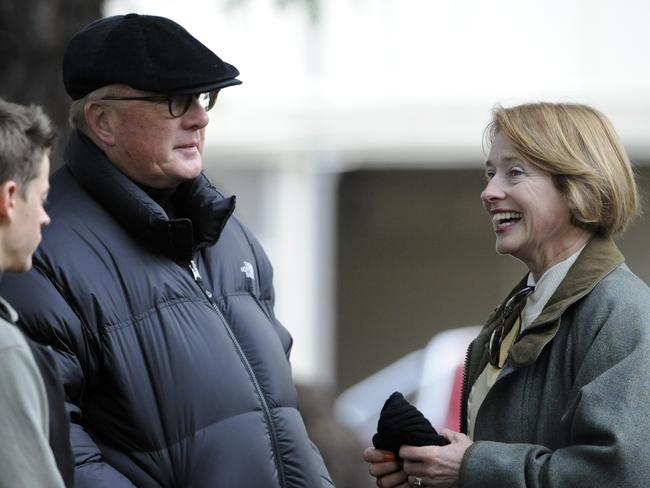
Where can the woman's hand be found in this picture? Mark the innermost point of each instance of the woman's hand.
(383, 466)
(437, 466)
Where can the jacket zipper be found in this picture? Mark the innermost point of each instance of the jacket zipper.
(464, 392)
(265, 407)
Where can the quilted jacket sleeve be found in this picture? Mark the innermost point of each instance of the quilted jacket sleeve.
(264, 271)
(267, 292)
(47, 318)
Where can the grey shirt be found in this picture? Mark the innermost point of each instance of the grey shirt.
(26, 459)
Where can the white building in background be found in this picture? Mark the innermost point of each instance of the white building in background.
(387, 82)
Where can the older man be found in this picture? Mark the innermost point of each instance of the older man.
(158, 302)
(31, 400)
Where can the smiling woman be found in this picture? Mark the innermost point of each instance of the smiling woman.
(580, 149)
(531, 217)
(545, 378)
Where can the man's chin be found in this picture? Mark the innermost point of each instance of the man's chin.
(179, 173)
(189, 169)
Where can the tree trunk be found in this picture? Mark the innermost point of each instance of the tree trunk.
(33, 37)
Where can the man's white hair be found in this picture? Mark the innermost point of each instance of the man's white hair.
(76, 116)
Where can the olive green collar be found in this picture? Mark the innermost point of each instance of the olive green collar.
(599, 258)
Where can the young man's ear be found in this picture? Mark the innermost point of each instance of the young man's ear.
(8, 194)
(99, 123)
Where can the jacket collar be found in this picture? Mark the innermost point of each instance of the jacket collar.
(7, 312)
(599, 258)
(207, 211)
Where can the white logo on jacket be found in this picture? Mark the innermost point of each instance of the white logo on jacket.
(247, 269)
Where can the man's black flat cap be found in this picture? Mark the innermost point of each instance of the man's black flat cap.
(146, 52)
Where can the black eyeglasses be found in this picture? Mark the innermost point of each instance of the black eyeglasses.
(178, 104)
(515, 303)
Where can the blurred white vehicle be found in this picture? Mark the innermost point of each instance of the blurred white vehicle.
(430, 378)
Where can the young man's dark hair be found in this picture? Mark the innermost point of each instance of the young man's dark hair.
(26, 134)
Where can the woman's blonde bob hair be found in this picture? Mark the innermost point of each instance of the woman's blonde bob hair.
(578, 146)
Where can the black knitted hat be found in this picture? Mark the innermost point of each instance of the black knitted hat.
(400, 423)
(146, 52)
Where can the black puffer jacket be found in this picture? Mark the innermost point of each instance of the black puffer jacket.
(176, 377)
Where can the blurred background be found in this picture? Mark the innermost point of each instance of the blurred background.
(355, 149)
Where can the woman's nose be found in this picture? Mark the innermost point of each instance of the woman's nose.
(492, 191)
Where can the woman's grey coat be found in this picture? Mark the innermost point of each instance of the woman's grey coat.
(571, 407)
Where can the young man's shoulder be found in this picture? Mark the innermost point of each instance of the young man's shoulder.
(10, 336)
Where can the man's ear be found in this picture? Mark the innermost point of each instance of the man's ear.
(8, 195)
(99, 122)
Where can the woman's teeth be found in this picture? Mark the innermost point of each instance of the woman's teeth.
(501, 218)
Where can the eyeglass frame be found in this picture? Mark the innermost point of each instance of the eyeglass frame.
(497, 336)
(212, 100)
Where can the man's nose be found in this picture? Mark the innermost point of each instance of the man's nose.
(45, 219)
(196, 116)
